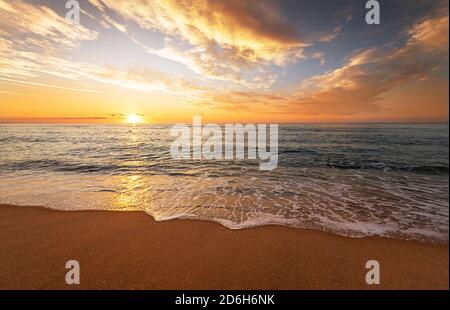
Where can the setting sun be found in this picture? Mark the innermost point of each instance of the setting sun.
(134, 119)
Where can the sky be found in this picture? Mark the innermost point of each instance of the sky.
(270, 61)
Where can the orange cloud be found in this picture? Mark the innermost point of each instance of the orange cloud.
(357, 87)
(222, 38)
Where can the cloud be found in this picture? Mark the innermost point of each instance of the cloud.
(320, 57)
(368, 74)
(20, 67)
(359, 84)
(39, 27)
(219, 39)
(143, 79)
(35, 41)
(431, 34)
(328, 37)
(36, 84)
(238, 101)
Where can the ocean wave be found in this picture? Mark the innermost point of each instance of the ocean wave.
(350, 203)
(150, 164)
(384, 167)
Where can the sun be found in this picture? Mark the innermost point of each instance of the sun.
(134, 119)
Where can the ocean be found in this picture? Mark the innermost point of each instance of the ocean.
(355, 180)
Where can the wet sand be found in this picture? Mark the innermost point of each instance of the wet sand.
(129, 250)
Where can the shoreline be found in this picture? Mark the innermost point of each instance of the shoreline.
(430, 241)
(130, 250)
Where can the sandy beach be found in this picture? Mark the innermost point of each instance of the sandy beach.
(129, 250)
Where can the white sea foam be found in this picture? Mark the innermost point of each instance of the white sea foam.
(344, 205)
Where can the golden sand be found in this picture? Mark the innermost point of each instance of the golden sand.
(129, 250)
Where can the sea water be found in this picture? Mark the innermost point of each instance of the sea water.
(354, 180)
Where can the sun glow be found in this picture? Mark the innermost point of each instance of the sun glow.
(134, 119)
